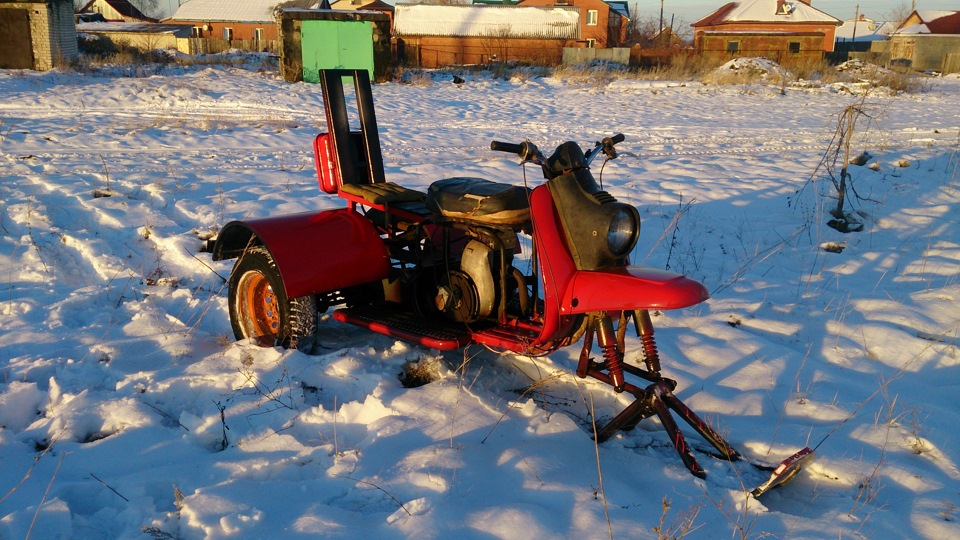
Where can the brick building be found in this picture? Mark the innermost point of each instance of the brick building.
(441, 35)
(37, 34)
(602, 23)
(786, 31)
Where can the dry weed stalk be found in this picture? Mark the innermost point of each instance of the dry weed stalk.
(385, 492)
(681, 525)
(46, 493)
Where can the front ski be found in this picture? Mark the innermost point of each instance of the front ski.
(786, 471)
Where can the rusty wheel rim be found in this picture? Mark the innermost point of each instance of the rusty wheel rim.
(258, 306)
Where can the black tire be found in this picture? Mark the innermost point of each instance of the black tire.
(260, 309)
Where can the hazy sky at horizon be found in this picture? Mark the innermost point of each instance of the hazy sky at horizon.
(688, 11)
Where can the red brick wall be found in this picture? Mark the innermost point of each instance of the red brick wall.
(827, 38)
(241, 30)
(772, 46)
(598, 32)
(431, 52)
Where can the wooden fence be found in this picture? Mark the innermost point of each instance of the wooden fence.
(951, 63)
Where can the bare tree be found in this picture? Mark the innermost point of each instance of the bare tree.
(646, 31)
(150, 8)
(899, 14)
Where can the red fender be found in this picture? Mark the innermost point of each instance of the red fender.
(556, 264)
(630, 287)
(315, 252)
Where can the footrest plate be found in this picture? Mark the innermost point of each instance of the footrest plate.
(404, 325)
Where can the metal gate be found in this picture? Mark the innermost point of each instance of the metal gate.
(16, 47)
(336, 45)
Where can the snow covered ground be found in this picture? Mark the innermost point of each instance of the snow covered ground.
(127, 410)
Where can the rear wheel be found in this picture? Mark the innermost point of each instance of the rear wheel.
(260, 309)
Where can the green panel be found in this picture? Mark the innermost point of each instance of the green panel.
(336, 45)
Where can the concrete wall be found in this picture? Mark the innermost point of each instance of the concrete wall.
(925, 52)
(139, 40)
(581, 55)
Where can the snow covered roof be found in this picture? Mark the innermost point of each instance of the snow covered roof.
(486, 21)
(233, 10)
(933, 22)
(864, 30)
(779, 11)
(354, 5)
(134, 28)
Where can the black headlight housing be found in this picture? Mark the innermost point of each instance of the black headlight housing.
(600, 231)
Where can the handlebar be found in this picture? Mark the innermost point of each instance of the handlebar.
(499, 146)
(526, 150)
(559, 162)
(529, 151)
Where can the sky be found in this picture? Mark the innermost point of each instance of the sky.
(689, 11)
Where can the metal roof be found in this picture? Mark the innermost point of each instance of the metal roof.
(767, 11)
(934, 22)
(234, 10)
(865, 30)
(487, 21)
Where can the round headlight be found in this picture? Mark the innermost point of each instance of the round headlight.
(622, 234)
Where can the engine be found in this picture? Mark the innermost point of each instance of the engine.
(471, 287)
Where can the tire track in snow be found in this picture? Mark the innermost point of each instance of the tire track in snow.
(640, 144)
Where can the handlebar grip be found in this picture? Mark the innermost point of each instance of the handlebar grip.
(618, 138)
(499, 146)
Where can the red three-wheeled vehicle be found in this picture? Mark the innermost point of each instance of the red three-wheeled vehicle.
(437, 268)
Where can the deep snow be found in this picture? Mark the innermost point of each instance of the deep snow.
(127, 409)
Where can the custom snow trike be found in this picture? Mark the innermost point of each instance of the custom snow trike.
(438, 268)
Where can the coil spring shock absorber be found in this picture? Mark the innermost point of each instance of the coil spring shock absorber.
(612, 357)
(645, 328)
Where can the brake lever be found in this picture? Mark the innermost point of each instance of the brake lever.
(606, 145)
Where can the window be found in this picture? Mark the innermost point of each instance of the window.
(733, 47)
(592, 15)
(197, 31)
(794, 47)
(591, 43)
(258, 34)
(228, 33)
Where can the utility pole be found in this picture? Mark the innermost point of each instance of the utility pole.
(856, 21)
(660, 30)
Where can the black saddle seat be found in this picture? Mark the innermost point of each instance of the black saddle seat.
(479, 201)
